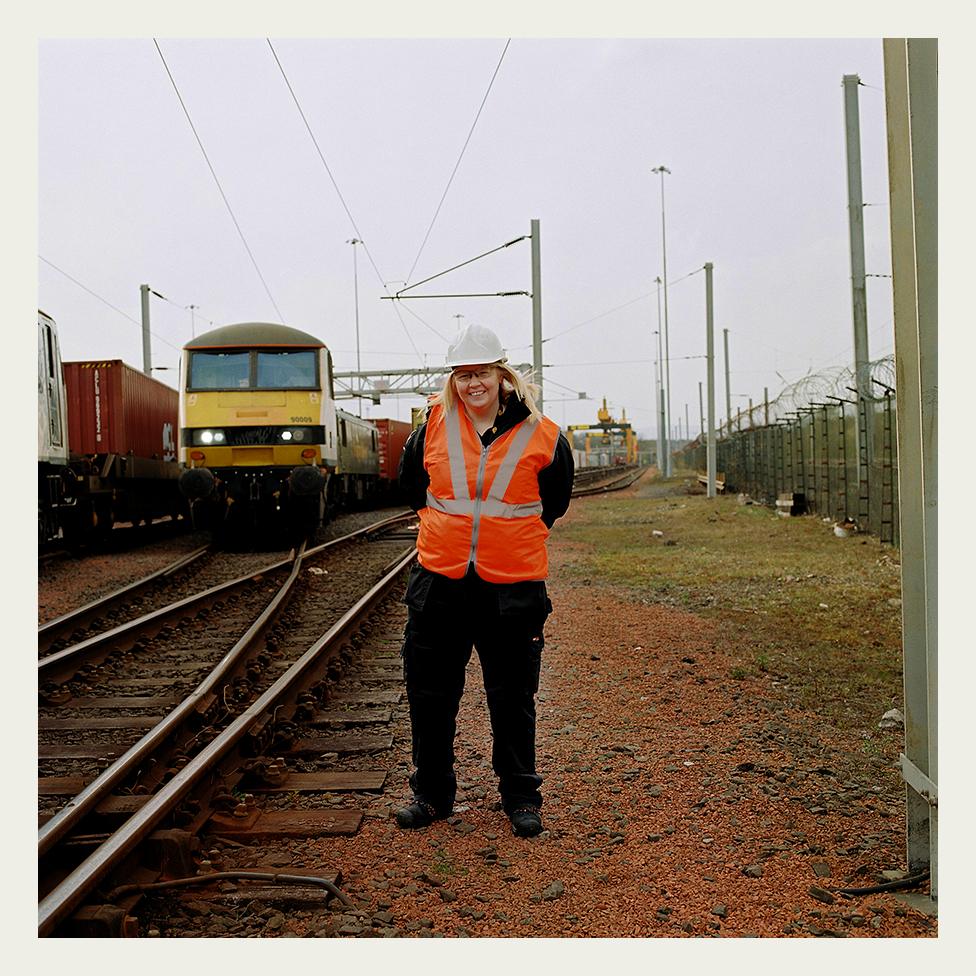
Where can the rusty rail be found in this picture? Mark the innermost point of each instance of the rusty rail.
(58, 905)
(85, 802)
(624, 481)
(49, 632)
(63, 900)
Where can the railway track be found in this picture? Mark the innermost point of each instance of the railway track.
(119, 606)
(158, 725)
(148, 728)
(616, 480)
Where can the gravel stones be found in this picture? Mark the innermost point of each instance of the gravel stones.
(553, 891)
(631, 864)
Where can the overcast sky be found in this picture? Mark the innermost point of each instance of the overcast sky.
(752, 131)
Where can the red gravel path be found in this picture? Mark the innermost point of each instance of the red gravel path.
(665, 781)
(679, 802)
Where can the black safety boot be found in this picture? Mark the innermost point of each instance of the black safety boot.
(526, 821)
(418, 815)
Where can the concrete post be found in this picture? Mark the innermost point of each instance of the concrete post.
(728, 389)
(911, 101)
(667, 354)
(146, 343)
(855, 211)
(537, 307)
(710, 359)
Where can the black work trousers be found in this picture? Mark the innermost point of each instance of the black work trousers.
(504, 623)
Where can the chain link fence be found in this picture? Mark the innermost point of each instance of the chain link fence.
(818, 448)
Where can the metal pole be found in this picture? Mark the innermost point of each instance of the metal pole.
(667, 354)
(355, 284)
(728, 389)
(710, 359)
(659, 391)
(661, 428)
(766, 403)
(911, 102)
(701, 409)
(193, 322)
(146, 344)
(855, 216)
(537, 307)
(657, 395)
(687, 425)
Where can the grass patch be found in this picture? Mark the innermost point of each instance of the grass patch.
(444, 867)
(793, 601)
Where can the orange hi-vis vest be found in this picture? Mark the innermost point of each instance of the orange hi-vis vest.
(483, 504)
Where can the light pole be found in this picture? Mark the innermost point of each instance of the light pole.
(355, 281)
(728, 394)
(661, 170)
(657, 395)
(659, 387)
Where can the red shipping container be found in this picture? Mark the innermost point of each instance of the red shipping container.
(115, 409)
(393, 435)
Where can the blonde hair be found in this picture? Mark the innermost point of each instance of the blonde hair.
(511, 382)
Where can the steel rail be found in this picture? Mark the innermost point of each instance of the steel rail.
(88, 799)
(625, 481)
(80, 806)
(582, 475)
(57, 906)
(48, 665)
(47, 633)
(51, 664)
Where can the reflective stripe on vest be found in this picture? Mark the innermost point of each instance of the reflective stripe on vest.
(473, 505)
(492, 504)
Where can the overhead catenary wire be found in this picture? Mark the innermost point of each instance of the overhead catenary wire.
(423, 281)
(342, 199)
(213, 173)
(105, 301)
(563, 386)
(185, 308)
(617, 308)
(430, 227)
(424, 322)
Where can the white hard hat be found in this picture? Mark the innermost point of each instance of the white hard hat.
(474, 345)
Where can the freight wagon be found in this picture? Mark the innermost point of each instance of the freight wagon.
(393, 435)
(106, 445)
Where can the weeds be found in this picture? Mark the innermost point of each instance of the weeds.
(790, 597)
(443, 865)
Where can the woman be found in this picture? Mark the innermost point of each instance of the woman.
(489, 476)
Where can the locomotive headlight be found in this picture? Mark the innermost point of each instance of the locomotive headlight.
(208, 437)
(293, 434)
(286, 435)
(298, 434)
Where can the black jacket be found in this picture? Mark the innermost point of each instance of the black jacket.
(555, 480)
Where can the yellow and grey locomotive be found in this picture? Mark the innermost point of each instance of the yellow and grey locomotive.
(260, 436)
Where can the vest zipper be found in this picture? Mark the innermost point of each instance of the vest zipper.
(478, 486)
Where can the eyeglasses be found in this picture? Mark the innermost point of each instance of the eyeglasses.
(483, 375)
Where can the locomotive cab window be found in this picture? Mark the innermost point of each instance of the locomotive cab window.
(219, 370)
(253, 370)
(286, 370)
